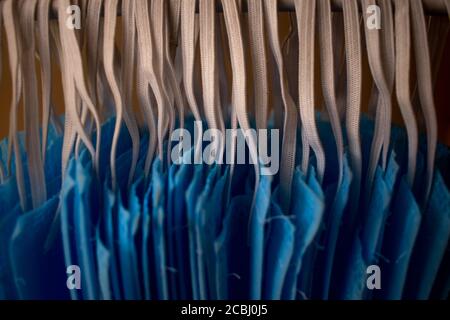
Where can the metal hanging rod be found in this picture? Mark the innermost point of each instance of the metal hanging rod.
(431, 7)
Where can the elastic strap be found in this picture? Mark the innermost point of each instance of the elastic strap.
(328, 76)
(305, 11)
(239, 84)
(354, 83)
(402, 82)
(424, 79)
(46, 69)
(150, 74)
(188, 42)
(259, 58)
(289, 142)
(384, 102)
(13, 53)
(31, 106)
(160, 35)
(128, 66)
(74, 77)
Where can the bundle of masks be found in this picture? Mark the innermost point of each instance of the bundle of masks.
(137, 191)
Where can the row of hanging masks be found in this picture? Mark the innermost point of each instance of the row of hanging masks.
(94, 204)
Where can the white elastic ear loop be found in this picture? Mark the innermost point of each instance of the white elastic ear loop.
(259, 59)
(73, 67)
(160, 35)
(383, 108)
(424, 79)
(239, 100)
(150, 75)
(209, 71)
(109, 27)
(402, 80)
(46, 71)
(305, 11)
(31, 107)
(289, 140)
(127, 83)
(13, 53)
(188, 54)
(353, 109)
(327, 75)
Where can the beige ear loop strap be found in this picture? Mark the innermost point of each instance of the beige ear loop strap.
(402, 80)
(127, 83)
(150, 74)
(327, 75)
(160, 35)
(424, 79)
(239, 87)
(354, 83)
(290, 54)
(174, 13)
(383, 108)
(69, 132)
(31, 107)
(74, 74)
(259, 59)
(305, 11)
(289, 142)
(170, 68)
(46, 69)
(91, 33)
(388, 52)
(188, 53)
(110, 8)
(209, 68)
(13, 53)
(340, 72)
(207, 14)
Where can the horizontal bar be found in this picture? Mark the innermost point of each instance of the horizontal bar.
(431, 7)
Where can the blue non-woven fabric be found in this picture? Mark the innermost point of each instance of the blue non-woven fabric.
(431, 242)
(104, 267)
(84, 207)
(183, 178)
(399, 238)
(39, 270)
(127, 254)
(192, 193)
(280, 241)
(307, 210)
(256, 236)
(67, 221)
(146, 246)
(7, 281)
(109, 212)
(305, 279)
(203, 225)
(370, 233)
(158, 216)
(213, 213)
(232, 251)
(170, 233)
(337, 202)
